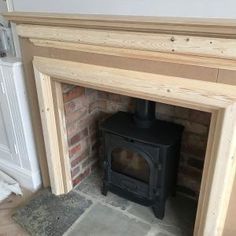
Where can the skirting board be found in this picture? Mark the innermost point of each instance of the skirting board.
(27, 179)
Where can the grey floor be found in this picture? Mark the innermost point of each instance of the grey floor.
(116, 216)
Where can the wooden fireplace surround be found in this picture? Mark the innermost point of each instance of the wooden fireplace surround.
(183, 62)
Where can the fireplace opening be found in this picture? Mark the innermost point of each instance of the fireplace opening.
(85, 112)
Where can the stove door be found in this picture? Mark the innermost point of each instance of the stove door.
(132, 163)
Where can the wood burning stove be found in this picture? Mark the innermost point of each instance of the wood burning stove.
(141, 156)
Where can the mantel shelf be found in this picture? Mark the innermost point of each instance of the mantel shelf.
(224, 28)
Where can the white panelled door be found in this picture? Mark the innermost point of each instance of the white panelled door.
(8, 147)
(18, 156)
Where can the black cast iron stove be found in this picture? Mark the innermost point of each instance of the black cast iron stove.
(141, 156)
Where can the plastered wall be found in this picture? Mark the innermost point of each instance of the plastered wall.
(182, 8)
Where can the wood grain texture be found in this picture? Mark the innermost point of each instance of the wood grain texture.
(170, 43)
(166, 89)
(46, 105)
(62, 135)
(219, 170)
(204, 197)
(176, 68)
(208, 62)
(219, 99)
(225, 28)
(230, 226)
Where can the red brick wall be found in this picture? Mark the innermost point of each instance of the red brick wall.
(81, 117)
(193, 147)
(85, 108)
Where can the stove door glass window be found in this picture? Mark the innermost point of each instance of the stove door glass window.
(130, 163)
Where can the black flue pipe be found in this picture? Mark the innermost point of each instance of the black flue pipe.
(144, 115)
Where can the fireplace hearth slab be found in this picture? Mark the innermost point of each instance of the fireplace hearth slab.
(105, 221)
(178, 221)
(92, 187)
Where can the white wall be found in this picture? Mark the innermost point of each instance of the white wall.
(184, 8)
(3, 8)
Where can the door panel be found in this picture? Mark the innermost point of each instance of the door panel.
(8, 147)
(3, 135)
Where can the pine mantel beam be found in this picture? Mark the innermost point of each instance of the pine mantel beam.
(223, 28)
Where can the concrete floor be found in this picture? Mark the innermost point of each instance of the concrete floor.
(113, 215)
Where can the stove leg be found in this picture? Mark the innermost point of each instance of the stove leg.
(104, 189)
(159, 210)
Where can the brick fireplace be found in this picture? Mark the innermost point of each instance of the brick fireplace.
(86, 108)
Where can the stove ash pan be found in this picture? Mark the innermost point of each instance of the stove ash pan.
(141, 163)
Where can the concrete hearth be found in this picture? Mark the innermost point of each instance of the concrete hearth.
(113, 215)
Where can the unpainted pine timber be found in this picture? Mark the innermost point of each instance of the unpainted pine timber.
(62, 135)
(182, 44)
(208, 27)
(230, 226)
(46, 105)
(145, 55)
(164, 88)
(219, 170)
